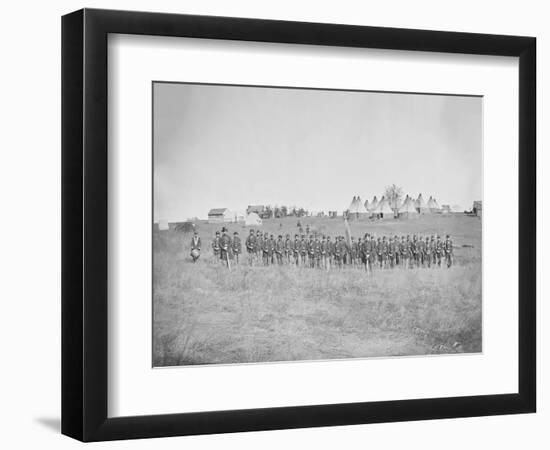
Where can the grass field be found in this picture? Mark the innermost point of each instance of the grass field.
(205, 314)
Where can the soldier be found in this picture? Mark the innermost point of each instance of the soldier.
(414, 250)
(195, 246)
(384, 252)
(365, 253)
(421, 249)
(324, 254)
(340, 252)
(428, 252)
(316, 252)
(354, 253)
(379, 251)
(236, 246)
(296, 250)
(403, 253)
(330, 253)
(216, 246)
(258, 246)
(359, 260)
(307, 229)
(272, 245)
(225, 248)
(392, 249)
(279, 250)
(373, 252)
(434, 257)
(303, 251)
(438, 250)
(409, 251)
(288, 249)
(311, 252)
(396, 250)
(251, 247)
(266, 257)
(448, 249)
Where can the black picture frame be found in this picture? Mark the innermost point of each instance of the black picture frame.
(84, 224)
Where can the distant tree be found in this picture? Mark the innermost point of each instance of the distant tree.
(393, 195)
(284, 211)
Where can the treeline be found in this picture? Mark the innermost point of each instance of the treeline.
(277, 212)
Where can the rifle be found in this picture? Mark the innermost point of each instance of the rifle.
(227, 259)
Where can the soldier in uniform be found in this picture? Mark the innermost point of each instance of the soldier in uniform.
(324, 254)
(397, 254)
(296, 250)
(225, 248)
(341, 250)
(428, 252)
(359, 261)
(379, 251)
(365, 253)
(195, 246)
(317, 252)
(303, 251)
(409, 252)
(236, 246)
(373, 253)
(289, 252)
(279, 250)
(384, 252)
(392, 250)
(265, 250)
(272, 245)
(403, 259)
(311, 252)
(448, 249)
(421, 249)
(330, 253)
(354, 254)
(438, 250)
(414, 250)
(216, 246)
(251, 243)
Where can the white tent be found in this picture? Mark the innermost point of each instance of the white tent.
(252, 219)
(407, 209)
(163, 225)
(384, 210)
(373, 204)
(357, 209)
(352, 204)
(420, 205)
(433, 206)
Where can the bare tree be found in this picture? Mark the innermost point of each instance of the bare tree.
(393, 195)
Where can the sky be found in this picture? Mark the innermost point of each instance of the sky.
(217, 146)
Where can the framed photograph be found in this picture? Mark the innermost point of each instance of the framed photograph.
(272, 224)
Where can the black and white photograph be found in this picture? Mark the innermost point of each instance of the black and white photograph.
(300, 224)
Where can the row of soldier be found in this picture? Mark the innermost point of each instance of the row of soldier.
(367, 252)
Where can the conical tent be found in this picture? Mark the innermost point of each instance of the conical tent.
(432, 205)
(384, 210)
(357, 209)
(373, 204)
(407, 209)
(352, 204)
(436, 207)
(420, 205)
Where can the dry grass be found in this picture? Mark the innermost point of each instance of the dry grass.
(204, 314)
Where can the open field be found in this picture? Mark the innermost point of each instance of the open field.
(205, 314)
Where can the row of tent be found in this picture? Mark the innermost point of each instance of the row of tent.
(406, 208)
